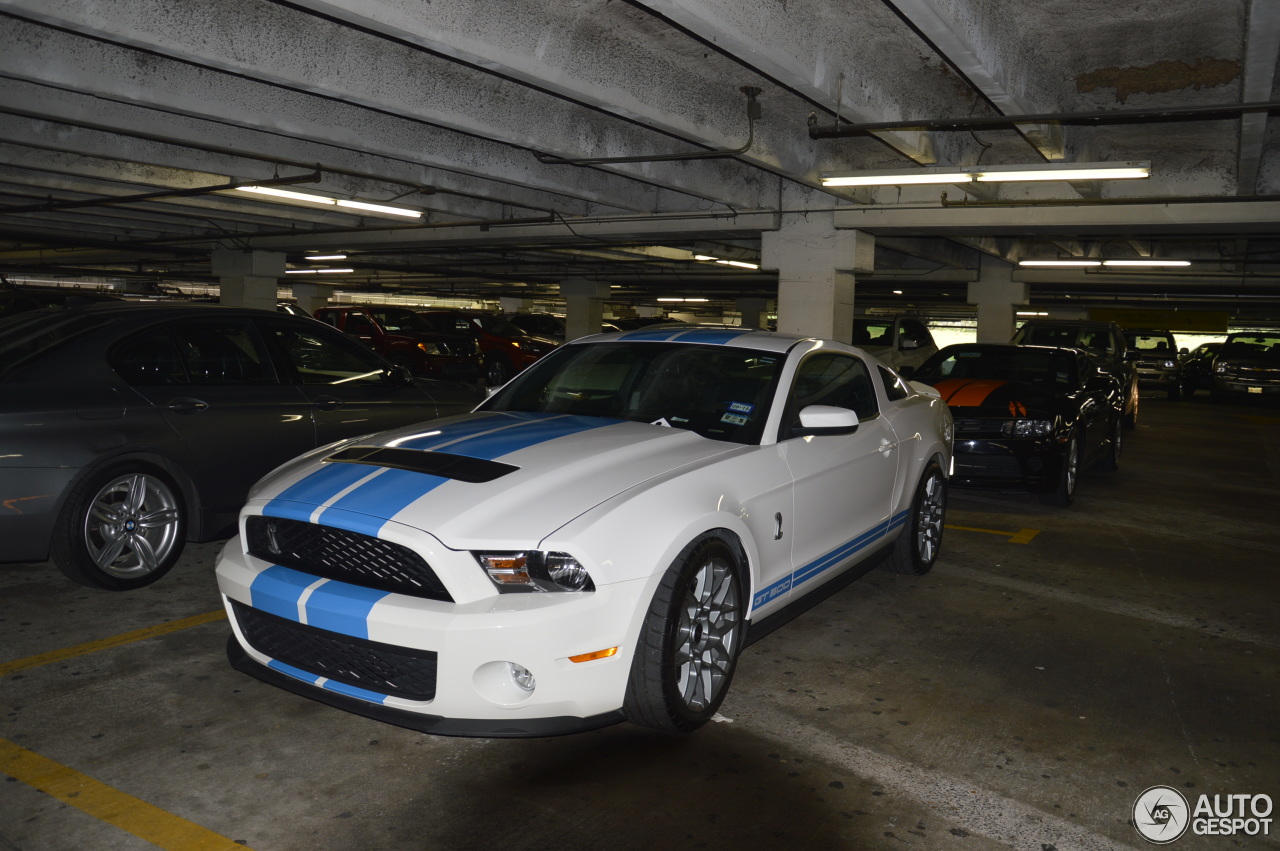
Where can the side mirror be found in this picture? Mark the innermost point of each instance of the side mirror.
(1182, 351)
(908, 343)
(925, 389)
(825, 420)
(1131, 356)
(906, 370)
(401, 376)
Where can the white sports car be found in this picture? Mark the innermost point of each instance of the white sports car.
(596, 542)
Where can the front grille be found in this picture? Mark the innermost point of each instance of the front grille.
(992, 466)
(383, 668)
(978, 426)
(345, 556)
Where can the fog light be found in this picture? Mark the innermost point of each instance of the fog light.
(521, 676)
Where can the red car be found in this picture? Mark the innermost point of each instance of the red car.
(506, 349)
(406, 339)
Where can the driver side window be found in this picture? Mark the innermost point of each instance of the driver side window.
(830, 378)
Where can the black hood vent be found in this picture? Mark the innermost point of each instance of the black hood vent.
(442, 464)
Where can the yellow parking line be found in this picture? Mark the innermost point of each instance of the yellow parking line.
(16, 665)
(1022, 536)
(108, 804)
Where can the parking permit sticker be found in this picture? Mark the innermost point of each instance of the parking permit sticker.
(741, 407)
(734, 419)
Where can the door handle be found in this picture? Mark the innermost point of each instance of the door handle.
(187, 405)
(328, 403)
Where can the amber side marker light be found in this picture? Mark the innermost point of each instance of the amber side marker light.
(599, 654)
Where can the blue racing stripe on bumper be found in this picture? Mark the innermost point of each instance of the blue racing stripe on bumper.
(339, 607)
(278, 589)
(329, 685)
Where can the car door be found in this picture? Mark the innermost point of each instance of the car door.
(348, 389)
(1097, 398)
(216, 386)
(843, 484)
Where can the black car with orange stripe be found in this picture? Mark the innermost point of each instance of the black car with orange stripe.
(1027, 418)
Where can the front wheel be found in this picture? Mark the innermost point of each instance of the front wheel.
(917, 547)
(121, 529)
(1064, 490)
(1111, 461)
(690, 640)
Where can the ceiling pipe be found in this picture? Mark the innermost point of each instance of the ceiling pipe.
(1116, 116)
(168, 193)
(753, 112)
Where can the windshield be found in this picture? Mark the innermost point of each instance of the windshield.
(873, 332)
(1041, 367)
(1157, 343)
(1096, 340)
(1253, 346)
(401, 322)
(26, 336)
(720, 392)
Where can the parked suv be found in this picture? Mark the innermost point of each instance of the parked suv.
(1103, 341)
(1159, 361)
(1248, 364)
(903, 342)
(504, 348)
(402, 337)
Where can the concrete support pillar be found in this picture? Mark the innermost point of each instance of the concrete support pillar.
(513, 305)
(248, 278)
(753, 312)
(997, 295)
(310, 297)
(584, 306)
(815, 264)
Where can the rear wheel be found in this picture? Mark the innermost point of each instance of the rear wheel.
(122, 528)
(690, 640)
(1111, 461)
(1131, 416)
(917, 547)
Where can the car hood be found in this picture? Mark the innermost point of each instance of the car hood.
(984, 397)
(497, 480)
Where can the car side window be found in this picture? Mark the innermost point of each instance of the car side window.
(321, 357)
(830, 378)
(914, 332)
(149, 358)
(360, 325)
(201, 352)
(894, 387)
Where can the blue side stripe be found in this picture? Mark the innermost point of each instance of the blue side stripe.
(277, 590)
(657, 334)
(839, 555)
(710, 337)
(340, 607)
(296, 673)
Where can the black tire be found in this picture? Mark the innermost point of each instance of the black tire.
(121, 528)
(1064, 490)
(1131, 417)
(690, 640)
(1111, 461)
(496, 371)
(916, 549)
(1175, 392)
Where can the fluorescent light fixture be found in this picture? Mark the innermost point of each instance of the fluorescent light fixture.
(1062, 171)
(326, 257)
(380, 208)
(1146, 262)
(1032, 313)
(897, 292)
(1059, 262)
(330, 202)
(895, 177)
(285, 193)
(318, 271)
(704, 257)
(740, 264)
(989, 174)
(685, 299)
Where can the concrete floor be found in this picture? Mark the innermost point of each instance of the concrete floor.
(1021, 695)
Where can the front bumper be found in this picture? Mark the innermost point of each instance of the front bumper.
(1032, 464)
(470, 645)
(1157, 377)
(1245, 386)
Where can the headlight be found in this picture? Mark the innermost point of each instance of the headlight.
(1222, 368)
(1171, 364)
(535, 570)
(431, 348)
(1026, 428)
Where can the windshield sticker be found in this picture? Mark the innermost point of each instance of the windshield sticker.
(741, 407)
(661, 421)
(734, 419)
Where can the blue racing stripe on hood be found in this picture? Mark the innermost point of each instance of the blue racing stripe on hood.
(506, 441)
(323, 483)
(382, 496)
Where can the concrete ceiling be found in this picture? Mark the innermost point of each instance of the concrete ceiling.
(125, 121)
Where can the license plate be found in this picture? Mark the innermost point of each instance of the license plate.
(1255, 389)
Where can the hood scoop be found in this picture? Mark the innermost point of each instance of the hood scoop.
(458, 467)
